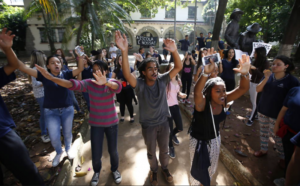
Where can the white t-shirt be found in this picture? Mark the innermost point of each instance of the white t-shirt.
(113, 49)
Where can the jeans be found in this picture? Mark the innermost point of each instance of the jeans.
(15, 157)
(43, 126)
(176, 116)
(56, 117)
(186, 84)
(87, 99)
(159, 133)
(75, 102)
(97, 135)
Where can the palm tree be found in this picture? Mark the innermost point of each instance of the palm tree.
(96, 15)
(49, 11)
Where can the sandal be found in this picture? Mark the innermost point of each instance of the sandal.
(259, 153)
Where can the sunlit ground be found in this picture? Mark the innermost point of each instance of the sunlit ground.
(134, 165)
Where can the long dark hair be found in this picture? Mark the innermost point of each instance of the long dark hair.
(98, 56)
(118, 64)
(102, 65)
(286, 61)
(177, 78)
(143, 65)
(140, 50)
(106, 56)
(199, 59)
(261, 58)
(233, 60)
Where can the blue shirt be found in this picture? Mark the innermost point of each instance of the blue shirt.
(200, 42)
(184, 44)
(274, 93)
(292, 115)
(208, 42)
(221, 45)
(87, 73)
(6, 121)
(296, 139)
(55, 95)
(228, 67)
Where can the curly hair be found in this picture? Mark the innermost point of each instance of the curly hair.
(143, 65)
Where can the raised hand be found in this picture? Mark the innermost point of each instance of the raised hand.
(170, 45)
(138, 57)
(6, 39)
(208, 69)
(121, 41)
(44, 72)
(100, 78)
(267, 73)
(244, 65)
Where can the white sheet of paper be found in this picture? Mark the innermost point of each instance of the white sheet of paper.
(260, 44)
(239, 53)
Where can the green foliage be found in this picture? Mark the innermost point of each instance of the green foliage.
(209, 11)
(152, 5)
(272, 15)
(13, 19)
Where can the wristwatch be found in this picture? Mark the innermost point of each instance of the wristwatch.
(246, 75)
(205, 75)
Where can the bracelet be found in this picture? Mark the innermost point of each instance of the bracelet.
(246, 75)
(205, 75)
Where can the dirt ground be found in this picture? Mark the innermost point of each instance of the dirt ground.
(236, 135)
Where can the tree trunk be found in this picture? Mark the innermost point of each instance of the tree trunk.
(291, 31)
(93, 40)
(218, 23)
(82, 20)
(48, 30)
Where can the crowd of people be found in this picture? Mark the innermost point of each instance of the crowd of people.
(107, 74)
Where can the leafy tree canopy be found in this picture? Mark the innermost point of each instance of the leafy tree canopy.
(272, 15)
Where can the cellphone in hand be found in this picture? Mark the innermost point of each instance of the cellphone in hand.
(79, 51)
(215, 57)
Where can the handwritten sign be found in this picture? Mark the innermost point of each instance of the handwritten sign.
(146, 41)
(260, 44)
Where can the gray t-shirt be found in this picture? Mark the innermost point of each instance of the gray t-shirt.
(153, 104)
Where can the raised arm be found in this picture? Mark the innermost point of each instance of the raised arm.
(80, 66)
(245, 81)
(198, 95)
(122, 43)
(30, 71)
(221, 67)
(261, 85)
(6, 42)
(171, 47)
(193, 61)
(60, 82)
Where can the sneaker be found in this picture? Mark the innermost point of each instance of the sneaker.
(70, 155)
(175, 140)
(153, 178)
(249, 123)
(279, 182)
(95, 179)
(117, 176)
(182, 100)
(187, 101)
(227, 113)
(122, 119)
(131, 120)
(172, 152)
(45, 138)
(56, 160)
(168, 176)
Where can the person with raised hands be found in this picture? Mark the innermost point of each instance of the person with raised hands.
(103, 116)
(210, 100)
(150, 88)
(58, 104)
(14, 154)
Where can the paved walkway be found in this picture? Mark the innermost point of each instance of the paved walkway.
(134, 165)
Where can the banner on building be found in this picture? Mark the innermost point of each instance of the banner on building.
(146, 41)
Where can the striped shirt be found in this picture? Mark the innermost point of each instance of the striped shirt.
(102, 106)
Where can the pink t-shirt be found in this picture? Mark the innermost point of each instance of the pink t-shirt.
(172, 94)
